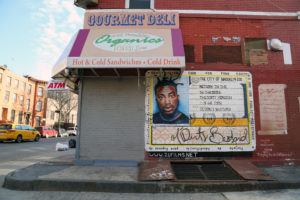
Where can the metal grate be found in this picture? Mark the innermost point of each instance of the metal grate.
(203, 171)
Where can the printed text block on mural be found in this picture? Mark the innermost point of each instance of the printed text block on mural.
(199, 111)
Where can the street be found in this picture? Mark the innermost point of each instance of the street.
(15, 156)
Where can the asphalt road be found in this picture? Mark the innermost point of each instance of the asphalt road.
(11, 151)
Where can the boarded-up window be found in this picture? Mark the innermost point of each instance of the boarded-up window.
(272, 108)
(226, 54)
(189, 53)
(255, 51)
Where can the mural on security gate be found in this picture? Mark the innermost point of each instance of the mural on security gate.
(199, 111)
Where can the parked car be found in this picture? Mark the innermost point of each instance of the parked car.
(18, 132)
(46, 131)
(72, 131)
(62, 132)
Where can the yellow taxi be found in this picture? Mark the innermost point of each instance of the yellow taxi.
(18, 132)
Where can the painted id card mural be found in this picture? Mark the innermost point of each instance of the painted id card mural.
(203, 111)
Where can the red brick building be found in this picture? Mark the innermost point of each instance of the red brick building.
(260, 37)
(23, 98)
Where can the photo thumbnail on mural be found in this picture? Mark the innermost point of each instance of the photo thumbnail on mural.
(203, 111)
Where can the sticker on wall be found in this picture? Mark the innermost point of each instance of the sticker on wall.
(200, 111)
(272, 106)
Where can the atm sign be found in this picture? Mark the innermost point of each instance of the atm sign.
(56, 85)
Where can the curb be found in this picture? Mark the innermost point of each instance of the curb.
(14, 183)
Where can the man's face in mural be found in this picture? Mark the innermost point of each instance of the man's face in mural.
(167, 99)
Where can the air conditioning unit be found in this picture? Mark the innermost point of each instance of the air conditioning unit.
(86, 3)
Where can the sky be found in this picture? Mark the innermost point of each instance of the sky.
(34, 33)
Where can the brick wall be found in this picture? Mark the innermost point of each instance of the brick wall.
(242, 5)
(109, 4)
(199, 32)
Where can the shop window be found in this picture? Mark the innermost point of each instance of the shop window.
(255, 51)
(225, 54)
(8, 81)
(15, 98)
(40, 91)
(140, 4)
(37, 121)
(20, 117)
(189, 52)
(12, 116)
(272, 109)
(39, 106)
(6, 97)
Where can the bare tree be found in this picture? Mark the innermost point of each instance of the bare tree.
(64, 102)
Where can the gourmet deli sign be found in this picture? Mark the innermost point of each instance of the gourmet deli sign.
(201, 111)
(127, 19)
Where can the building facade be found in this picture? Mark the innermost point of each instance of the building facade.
(240, 80)
(22, 98)
(62, 106)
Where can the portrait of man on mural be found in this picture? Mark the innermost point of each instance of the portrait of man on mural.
(167, 99)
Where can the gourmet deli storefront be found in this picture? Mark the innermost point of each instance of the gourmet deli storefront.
(138, 103)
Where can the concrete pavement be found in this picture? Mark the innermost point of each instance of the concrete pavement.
(63, 175)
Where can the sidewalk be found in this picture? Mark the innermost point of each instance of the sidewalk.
(62, 175)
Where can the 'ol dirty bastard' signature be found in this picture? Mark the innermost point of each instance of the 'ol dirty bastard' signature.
(213, 135)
